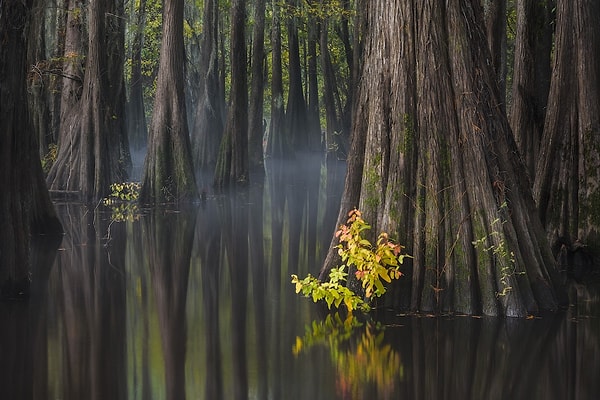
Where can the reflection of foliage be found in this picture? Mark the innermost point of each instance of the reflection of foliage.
(374, 264)
(332, 331)
(361, 357)
(123, 201)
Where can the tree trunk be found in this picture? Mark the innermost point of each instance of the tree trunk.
(136, 113)
(208, 122)
(295, 114)
(433, 161)
(56, 32)
(345, 37)
(37, 89)
(168, 169)
(115, 34)
(278, 145)
(25, 207)
(495, 19)
(91, 154)
(567, 185)
(312, 109)
(232, 164)
(333, 128)
(255, 122)
(531, 78)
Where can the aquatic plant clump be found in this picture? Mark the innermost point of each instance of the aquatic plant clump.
(373, 265)
(123, 201)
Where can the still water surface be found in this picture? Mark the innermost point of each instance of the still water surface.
(197, 303)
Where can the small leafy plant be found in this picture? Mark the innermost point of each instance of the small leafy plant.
(373, 265)
(508, 263)
(123, 201)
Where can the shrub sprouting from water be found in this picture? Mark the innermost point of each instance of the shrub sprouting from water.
(373, 264)
(123, 201)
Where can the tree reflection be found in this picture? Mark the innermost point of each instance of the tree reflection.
(23, 337)
(207, 255)
(90, 304)
(169, 238)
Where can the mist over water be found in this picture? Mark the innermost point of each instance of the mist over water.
(196, 302)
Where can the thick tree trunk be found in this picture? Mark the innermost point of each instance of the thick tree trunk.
(168, 169)
(531, 78)
(208, 122)
(232, 164)
(567, 185)
(255, 118)
(441, 170)
(92, 152)
(25, 207)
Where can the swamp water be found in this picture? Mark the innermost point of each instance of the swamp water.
(197, 303)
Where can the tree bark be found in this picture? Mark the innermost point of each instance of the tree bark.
(208, 122)
(25, 207)
(495, 21)
(531, 78)
(92, 152)
(255, 121)
(433, 162)
(567, 185)
(168, 169)
(232, 164)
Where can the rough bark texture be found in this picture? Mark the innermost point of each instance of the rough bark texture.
(91, 152)
(25, 207)
(495, 21)
(168, 169)
(531, 78)
(567, 183)
(208, 122)
(232, 164)
(433, 162)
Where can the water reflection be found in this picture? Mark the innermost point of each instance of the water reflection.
(198, 304)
